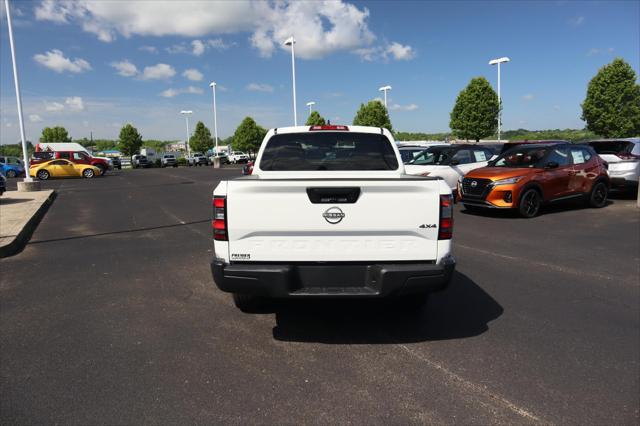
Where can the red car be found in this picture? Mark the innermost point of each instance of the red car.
(78, 157)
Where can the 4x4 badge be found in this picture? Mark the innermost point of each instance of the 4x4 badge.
(333, 215)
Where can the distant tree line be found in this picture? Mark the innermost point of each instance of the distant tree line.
(611, 109)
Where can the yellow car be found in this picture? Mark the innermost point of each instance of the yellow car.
(63, 168)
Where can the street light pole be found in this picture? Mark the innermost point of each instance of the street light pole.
(186, 116)
(215, 117)
(310, 105)
(499, 61)
(23, 138)
(385, 89)
(290, 42)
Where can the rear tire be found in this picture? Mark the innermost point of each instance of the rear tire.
(530, 203)
(598, 195)
(248, 303)
(43, 175)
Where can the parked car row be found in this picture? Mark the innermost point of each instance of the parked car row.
(529, 174)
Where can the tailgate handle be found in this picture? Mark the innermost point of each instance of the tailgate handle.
(333, 195)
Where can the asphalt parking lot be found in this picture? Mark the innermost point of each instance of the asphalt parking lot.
(110, 316)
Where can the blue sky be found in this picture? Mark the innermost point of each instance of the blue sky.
(93, 66)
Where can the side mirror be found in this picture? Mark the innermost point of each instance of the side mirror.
(491, 163)
(551, 165)
(454, 162)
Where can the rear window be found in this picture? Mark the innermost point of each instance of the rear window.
(408, 154)
(328, 151)
(612, 147)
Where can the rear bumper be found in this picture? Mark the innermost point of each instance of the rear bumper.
(340, 279)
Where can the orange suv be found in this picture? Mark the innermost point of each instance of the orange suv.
(530, 175)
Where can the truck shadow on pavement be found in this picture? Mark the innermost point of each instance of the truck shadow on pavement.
(462, 310)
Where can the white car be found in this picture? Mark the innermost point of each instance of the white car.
(623, 156)
(168, 160)
(338, 218)
(449, 162)
(238, 157)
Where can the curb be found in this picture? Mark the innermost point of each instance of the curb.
(20, 241)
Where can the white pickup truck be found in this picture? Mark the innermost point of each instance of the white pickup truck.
(329, 212)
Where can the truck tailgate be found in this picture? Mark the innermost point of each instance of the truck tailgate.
(277, 221)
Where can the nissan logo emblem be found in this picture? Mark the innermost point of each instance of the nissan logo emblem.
(474, 183)
(333, 215)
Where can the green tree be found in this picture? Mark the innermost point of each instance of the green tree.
(475, 114)
(373, 114)
(201, 141)
(315, 119)
(129, 141)
(248, 136)
(55, 134)
(612, 106)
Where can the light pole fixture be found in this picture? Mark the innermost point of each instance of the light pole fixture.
(23, 138)
(310, 105)
(499, 61)
(215, 117)
(291, 42)
(186, 116)
(385, 89)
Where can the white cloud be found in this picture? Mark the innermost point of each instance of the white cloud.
(53, 106)
(170, 93)
(158, 72)
(192, 74)
(321, 27)
(556, 107)
(575, 21)
(198, 47)
(125, 68)
(597, 51)
(397, 107)
(259, 87)
(75, 103)
(387, 51)
(35, 118)
(56, 61)
(528, 97)
(148, 49)
(400, 52)
(49, 10)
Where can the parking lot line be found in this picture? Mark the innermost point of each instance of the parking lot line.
(557, 268)
(473, 387)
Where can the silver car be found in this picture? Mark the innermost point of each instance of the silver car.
(623, 156)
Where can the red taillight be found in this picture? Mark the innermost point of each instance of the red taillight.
(219, 222)
(628, 156)
(329, 127)
(445, 231)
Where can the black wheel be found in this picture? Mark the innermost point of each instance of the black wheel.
(598, 195)
(11, 173)
(248, 303)
(530, 203)
(175, 165)
(101, 167)
(43, 174)
(88, 173)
